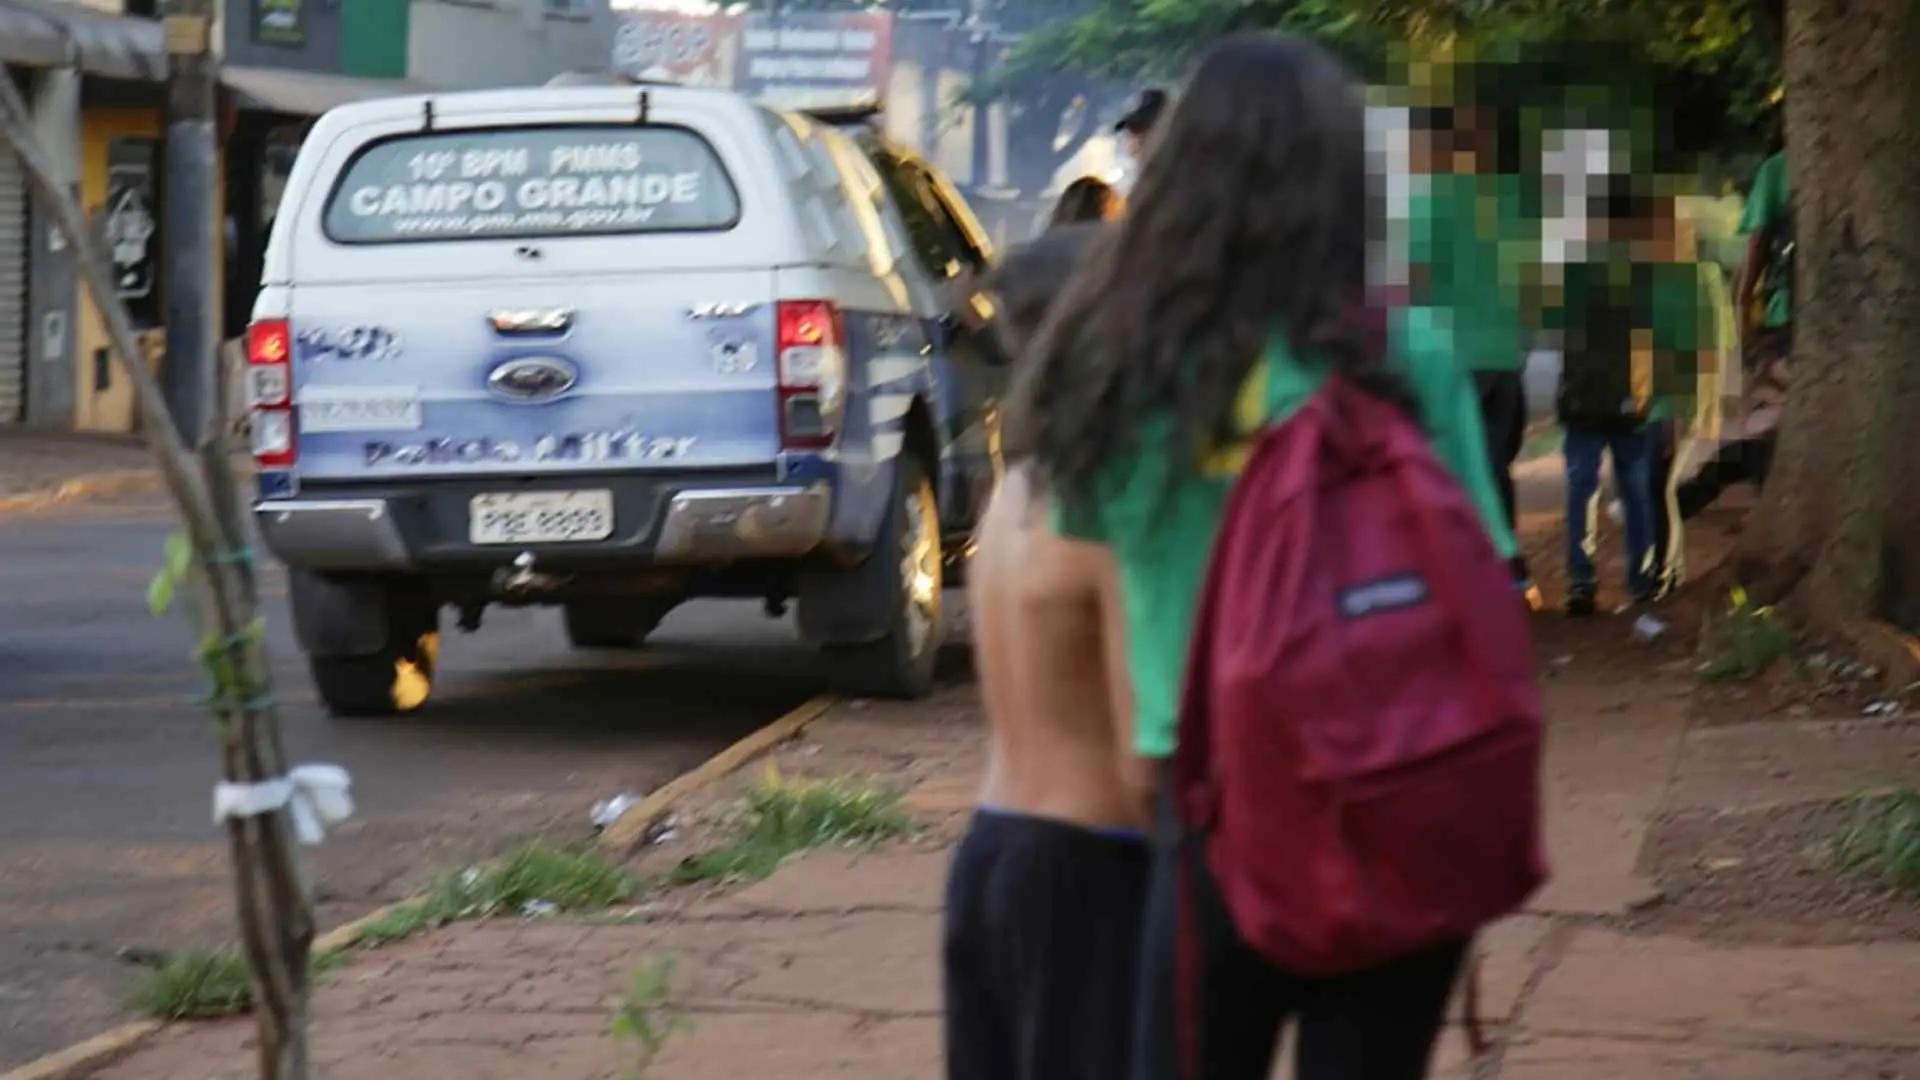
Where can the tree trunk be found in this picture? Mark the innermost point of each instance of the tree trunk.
(1837, 533)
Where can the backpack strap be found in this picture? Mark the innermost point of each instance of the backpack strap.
(1441, 578)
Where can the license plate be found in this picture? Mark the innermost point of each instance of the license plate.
(326, 409)
(540, 517)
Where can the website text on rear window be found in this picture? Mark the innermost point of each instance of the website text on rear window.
(536, 182)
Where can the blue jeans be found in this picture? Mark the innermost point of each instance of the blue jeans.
(1633, 454)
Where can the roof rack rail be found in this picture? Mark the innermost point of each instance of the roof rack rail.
(850, 114)
(597, 77)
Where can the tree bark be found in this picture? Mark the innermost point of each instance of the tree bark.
(1837, 532)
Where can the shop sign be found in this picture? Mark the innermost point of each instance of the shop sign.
(130, 221)
(797, 60)
(280, 22)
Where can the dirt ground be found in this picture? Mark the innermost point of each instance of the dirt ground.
(1760, 874)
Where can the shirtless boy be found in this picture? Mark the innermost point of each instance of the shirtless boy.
(1047, 888)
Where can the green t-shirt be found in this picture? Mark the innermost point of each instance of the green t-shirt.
(1670, 300)
(1470, 233)
(1767, 206)
(1162, 538)
(1685, 333)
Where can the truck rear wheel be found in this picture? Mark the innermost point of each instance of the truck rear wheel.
(604, 625)
(906, 572)
(394, 681)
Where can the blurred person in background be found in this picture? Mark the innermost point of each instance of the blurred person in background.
(1472, 247)
(1135, 127)
(1086, 199)
(1692, 333)
(1048, 886)
(1765, 293)
(1764, 303)
(1030, 277)
(1232, 289)
(1609, 399)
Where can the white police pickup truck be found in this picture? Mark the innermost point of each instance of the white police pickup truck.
(610, 348)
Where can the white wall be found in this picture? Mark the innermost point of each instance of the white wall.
(470, 44)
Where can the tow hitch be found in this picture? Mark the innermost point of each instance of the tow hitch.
(521, 583)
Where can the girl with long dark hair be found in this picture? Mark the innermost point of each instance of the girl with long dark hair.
(1088, 199)
(1235, 285)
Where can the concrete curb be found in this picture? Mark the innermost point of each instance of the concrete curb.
(629, 831)
(84, 1059)
(91, 486)
(81, 1060)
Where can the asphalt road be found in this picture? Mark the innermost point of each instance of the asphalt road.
(107, 765)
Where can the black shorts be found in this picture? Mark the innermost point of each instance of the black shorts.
(1041, 950)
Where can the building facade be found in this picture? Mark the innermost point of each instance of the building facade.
(473, 44)
(93, 75)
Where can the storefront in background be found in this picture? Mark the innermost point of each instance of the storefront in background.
(92, 81)
(15, 255)
(121, 152)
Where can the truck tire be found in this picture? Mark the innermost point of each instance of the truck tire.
(394, 681)
(906, 572)
(613, 625)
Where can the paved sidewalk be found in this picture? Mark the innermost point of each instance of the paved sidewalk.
(830, 968)
(34, 463)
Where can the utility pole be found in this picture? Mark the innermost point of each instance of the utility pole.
(191, 377)
(982, 39)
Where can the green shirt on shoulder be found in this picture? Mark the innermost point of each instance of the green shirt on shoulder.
(1470, 238)
(1162, 538)
(1685, 336)
(1768, 205)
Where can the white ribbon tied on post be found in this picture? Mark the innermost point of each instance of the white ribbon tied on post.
(314, 796)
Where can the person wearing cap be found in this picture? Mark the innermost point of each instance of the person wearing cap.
(1134, 126)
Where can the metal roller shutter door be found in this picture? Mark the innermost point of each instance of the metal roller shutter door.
(13, 289)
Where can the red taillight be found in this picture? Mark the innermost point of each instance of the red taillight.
(270, 392)
(813, 373)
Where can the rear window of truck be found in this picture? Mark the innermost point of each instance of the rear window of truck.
(517, 183)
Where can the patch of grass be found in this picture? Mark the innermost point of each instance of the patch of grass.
(649, 1014)
(1744, 642)
(781, 818)
(535, 875)
(1885, 836)
(203, 984)
(532, 878)
(397, 923)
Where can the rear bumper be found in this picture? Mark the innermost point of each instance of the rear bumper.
(657, 524)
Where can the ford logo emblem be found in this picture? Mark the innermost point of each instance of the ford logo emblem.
(533, 378)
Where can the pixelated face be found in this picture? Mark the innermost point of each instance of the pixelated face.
(1450, 150)
(1473, 139)
(1431, 151)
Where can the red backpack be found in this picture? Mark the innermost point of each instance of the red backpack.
(1360, 733)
